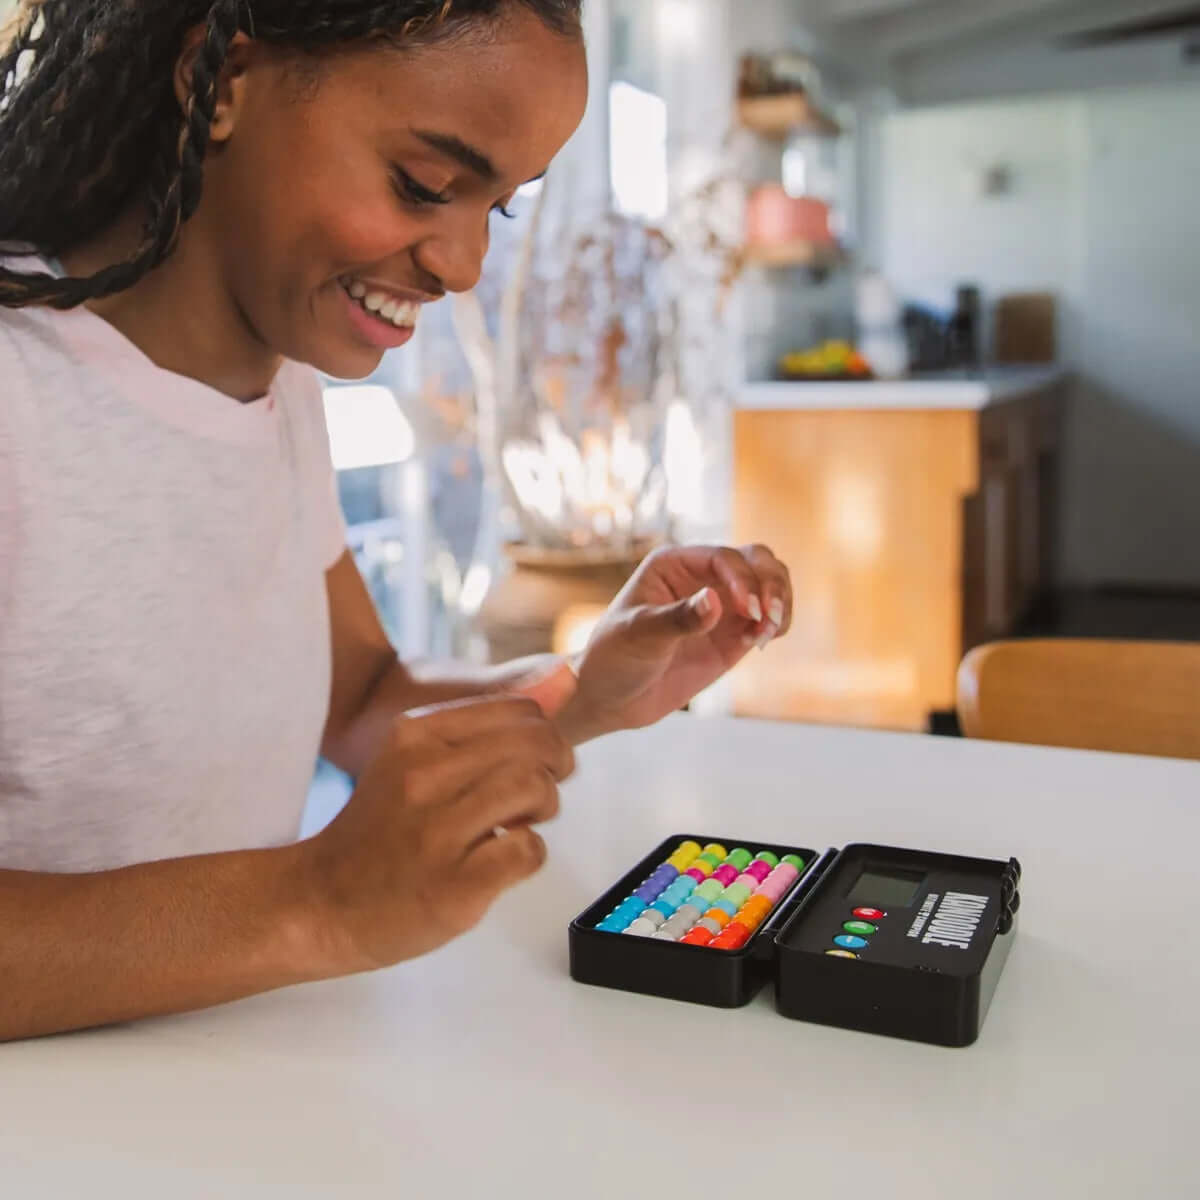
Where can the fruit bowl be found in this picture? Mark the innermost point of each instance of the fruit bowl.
(828, 363)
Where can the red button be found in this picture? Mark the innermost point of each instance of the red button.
(869, 914)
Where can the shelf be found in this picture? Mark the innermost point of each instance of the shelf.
(780, 116)
(795, 254)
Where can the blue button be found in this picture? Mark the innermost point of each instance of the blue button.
(848, 941)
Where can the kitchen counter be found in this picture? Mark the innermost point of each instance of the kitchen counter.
(918, 519)
(934, 393)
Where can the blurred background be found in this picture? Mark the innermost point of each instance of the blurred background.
(905, 288)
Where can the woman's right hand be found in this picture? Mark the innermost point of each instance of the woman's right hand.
(438, 826)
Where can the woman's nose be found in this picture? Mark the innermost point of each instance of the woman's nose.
(454, 254)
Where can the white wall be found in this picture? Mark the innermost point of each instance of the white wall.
(1103, 212)
(1135, 478)
(938, 230)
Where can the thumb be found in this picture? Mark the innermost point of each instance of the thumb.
(686, 618)
(551, 687)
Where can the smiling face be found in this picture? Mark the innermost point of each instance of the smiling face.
(334, 209)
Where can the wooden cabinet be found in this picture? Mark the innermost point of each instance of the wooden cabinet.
(1010, 520)
(912, 534)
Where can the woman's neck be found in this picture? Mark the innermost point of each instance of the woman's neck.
(181, 315)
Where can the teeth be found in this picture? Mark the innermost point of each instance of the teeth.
(406, 313)
(401, 313)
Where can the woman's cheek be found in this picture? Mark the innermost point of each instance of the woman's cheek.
(362, 233)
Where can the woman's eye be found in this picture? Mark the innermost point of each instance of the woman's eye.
(414, 192)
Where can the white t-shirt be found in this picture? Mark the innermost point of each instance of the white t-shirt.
(164, 628)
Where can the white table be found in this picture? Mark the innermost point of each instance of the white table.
(483, 1070)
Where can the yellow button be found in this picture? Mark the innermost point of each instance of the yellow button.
(840, 954)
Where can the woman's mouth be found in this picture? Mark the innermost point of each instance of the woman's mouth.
(385, 321)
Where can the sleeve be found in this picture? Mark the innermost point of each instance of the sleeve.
(318, 478)
(12, 372)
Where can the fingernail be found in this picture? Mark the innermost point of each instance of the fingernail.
(755, 609)
(775, 612)
(702, 602)
(768, 636)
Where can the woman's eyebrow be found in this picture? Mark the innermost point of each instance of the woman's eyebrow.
(468, 156)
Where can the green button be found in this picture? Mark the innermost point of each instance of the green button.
(741, 858)
(793, 860)
(862, 928)
(770, 859)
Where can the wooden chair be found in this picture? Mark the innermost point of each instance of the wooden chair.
(1128, 697)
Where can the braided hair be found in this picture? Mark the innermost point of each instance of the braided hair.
(90, 123)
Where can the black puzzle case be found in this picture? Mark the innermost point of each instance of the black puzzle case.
(926, 971)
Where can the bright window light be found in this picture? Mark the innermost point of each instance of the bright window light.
(638, 121)
(679, 23)
(366, 427)
(474, 589)
(683, 459)
(795, 172)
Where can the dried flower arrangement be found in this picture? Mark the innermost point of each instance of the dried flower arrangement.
(600, 338)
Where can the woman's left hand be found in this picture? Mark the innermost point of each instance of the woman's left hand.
(687, 616)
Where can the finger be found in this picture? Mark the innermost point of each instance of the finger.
(733, 571)
(457, 721)
(500, 862)
(776, 587)
(659, 627)
(510, 798)
(442, 778)
(551, 690)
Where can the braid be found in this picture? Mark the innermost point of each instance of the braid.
(89, 121)
(193, 143)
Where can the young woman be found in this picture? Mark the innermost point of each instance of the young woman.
(200, 202)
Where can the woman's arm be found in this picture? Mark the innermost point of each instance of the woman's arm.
(159, 937)
(82, 950)
(688, 615)
(371, 687)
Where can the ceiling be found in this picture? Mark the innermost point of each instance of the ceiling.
(889, 38)
(899, 26)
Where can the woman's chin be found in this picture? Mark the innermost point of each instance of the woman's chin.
(344, 361)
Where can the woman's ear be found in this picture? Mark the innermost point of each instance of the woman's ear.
(231, 82)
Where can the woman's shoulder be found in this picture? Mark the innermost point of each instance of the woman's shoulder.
(27, 343)
(28, 334)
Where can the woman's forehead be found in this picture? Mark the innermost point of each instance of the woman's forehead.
(513, 100)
